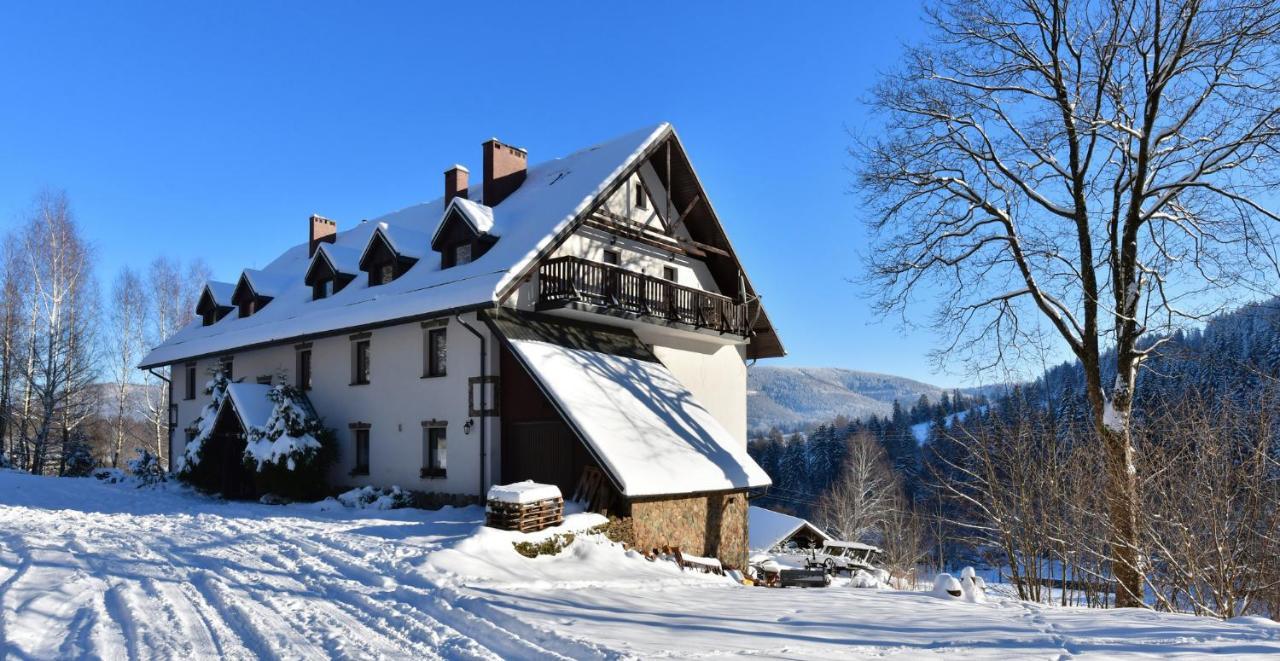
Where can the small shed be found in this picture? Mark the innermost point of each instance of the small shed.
(770, 531)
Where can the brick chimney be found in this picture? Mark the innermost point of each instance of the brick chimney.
(504, 170)
(323, 230)
(456, 181)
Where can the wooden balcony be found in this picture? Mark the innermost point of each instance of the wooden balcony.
(573, 281)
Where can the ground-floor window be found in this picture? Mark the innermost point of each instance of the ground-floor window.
(362, 452)
(434, 451)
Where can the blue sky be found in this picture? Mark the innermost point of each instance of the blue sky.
(216, 129)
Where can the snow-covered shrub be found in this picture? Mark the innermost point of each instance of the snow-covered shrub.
(947, 587)
(864, 579)
(290, 455)
(189, 463)
(552, 545)
(375, 498)
(110, 475)
(146, 468)
(78, 460)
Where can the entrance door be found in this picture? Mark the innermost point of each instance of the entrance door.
(546, 452)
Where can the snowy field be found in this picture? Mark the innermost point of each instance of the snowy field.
(92, 570)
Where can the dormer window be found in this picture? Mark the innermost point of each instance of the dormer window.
(332, 267)
(215, 302)
(256, 289)
(390, 253)
(464, 234)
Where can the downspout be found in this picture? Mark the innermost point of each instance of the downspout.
(168, 416)
(484, 404)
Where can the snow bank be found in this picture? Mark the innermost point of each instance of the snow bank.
(523, 492)
(946, 586)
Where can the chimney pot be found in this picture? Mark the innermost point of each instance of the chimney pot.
(505, 168)
(456, 181)
(322, 230)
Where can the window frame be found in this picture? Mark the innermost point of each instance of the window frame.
(671, 274)
(434, 366)
(361, 359)
(642, 200)
(386, 272)
(611, 254)
(361, 436)
(190, 381)
(303, 369)
(435, 450)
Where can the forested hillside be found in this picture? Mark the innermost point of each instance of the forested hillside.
(791, 398)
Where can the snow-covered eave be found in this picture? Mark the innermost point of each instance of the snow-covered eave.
(570, 221)
(149, 362)
(464, 208)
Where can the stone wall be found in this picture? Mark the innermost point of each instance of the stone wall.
(708, 525)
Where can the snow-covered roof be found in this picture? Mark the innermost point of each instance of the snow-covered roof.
(220, 291)
(529, 220)
(267, 283)
(649, 432)
(478, 216)
(344, 259)
(768, 529)
(852, 545)
(404, 241)
(251, 403)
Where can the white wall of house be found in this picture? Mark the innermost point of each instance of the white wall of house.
(395, 402)
(716, 375)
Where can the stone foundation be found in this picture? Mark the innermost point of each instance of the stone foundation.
(712, 525)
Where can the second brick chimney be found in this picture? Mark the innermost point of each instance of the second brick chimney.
(323, 230)
(505, 168)
(456, 181)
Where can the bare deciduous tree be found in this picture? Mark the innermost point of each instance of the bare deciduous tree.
(1090, 170)
(863, 496)
(173, 292)
(127, 317)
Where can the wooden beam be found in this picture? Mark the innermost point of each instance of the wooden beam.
(636, 234)
(685, 214)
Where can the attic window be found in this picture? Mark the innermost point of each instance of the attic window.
(209, 317)
(642, 202)
(322, 289)
(462, 254)
(386, 273)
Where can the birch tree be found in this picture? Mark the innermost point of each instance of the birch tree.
(173, 290)
(128, 317)
(1090, 171)
(863, 494)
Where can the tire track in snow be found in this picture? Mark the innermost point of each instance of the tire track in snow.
(14, 545)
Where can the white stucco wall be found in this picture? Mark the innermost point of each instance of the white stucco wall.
(394, 403)
(715, 374)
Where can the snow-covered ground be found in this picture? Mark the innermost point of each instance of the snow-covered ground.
(89, 569)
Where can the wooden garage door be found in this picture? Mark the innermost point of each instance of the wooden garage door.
(546, 452)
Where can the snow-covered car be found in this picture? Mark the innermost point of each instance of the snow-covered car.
(837, 556)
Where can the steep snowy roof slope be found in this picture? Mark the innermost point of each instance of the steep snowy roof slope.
(647, 429)
(251, 403)
(553, 194)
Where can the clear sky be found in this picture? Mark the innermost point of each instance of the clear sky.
(216, 129)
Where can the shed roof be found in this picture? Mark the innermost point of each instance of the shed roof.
(768, 529)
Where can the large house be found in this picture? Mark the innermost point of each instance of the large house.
(581, 322)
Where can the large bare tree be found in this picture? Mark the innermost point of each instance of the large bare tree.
(1095, 171)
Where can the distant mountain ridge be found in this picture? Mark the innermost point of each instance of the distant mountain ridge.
(791, 397)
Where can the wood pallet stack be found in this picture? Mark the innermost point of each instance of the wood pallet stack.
(524, 517)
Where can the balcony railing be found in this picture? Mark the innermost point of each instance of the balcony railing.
(566, 280)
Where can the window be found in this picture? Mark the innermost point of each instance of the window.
(642, 202)
(437, 351)
(669, 274)
(362, 453)
(386, 273)
(434, 451)
(209, 317)
(264, 380)
(360, 362)
(248, 307)
(322, 289)
(227, 369)
(462, 254)
(191, 381)
(612, 257)
(304, 369)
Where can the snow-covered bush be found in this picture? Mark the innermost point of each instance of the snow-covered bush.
(947, 587)
(77, 460)
(146, 468)
(290, 455)
(189, 463)
(110, 475)
(864, 579)
(376, 498)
